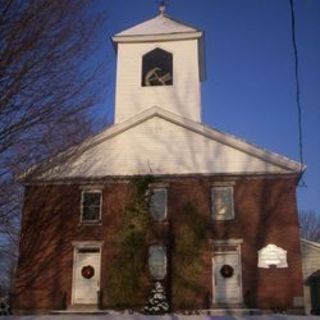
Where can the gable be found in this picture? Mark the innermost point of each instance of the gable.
(159, 28)
(161, 24)
(157, 144)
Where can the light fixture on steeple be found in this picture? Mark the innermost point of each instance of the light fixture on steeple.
(162, 7)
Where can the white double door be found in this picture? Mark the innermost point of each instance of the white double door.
(86, 277)
(227, 289)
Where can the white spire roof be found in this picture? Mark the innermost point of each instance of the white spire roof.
(161, 25)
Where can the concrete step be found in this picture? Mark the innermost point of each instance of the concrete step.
(81, 309)
(231, 311)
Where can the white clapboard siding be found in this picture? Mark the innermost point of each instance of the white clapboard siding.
(182, 98)
(159, 146)
(311, 263)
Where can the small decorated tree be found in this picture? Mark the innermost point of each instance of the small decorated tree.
(157, 302)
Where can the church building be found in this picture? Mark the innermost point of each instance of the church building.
(160, 198)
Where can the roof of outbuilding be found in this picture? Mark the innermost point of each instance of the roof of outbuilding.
(310, 243)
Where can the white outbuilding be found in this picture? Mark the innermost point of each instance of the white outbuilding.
(311, 275)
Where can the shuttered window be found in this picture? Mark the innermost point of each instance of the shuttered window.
(158, 262)
(158, 204)
(222, 206)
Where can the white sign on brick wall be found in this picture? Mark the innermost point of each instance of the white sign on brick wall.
(272, 255)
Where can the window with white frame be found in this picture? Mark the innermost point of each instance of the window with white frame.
(158, 203)
(91, 203)
(222, 207)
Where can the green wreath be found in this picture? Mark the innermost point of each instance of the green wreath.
(226, 271)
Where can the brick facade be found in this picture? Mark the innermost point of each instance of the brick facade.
(265, 212)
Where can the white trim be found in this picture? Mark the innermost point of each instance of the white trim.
(81, 245)
(126, 179)
(74, 274)
(240, 273)
(315, 245)
(91, 190)
(87, 244)
(227, 242)
(157, 37)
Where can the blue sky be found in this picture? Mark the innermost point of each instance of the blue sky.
(250, 88)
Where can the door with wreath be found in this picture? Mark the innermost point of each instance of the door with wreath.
(86, 277)
(226, 278)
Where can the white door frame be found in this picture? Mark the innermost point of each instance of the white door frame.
(83, 245)
(221, 243)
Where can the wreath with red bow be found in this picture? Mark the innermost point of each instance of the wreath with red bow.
(87, 272)
(227, 271)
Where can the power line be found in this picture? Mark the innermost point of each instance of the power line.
(297, 82)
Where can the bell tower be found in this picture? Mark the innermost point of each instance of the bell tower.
(159, 63)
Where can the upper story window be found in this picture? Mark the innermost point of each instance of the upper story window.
(222, 206)
(158, 203)
(157, 68)
(91, 206)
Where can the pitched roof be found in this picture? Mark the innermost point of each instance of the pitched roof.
(312, 244)
(160, 142)
(161, 26)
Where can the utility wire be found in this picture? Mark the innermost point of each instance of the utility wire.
(297, 93)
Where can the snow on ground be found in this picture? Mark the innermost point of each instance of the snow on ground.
(166, 317)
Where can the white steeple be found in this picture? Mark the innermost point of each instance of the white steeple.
(159, 63)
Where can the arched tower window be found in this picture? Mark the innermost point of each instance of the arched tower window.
(157, 68)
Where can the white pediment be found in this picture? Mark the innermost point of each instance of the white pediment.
(161, 24)
(161, 143)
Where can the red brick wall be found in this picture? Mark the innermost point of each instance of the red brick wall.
(265, 212)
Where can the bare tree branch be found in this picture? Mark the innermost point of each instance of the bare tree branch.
(48, 82)
(310, 225)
